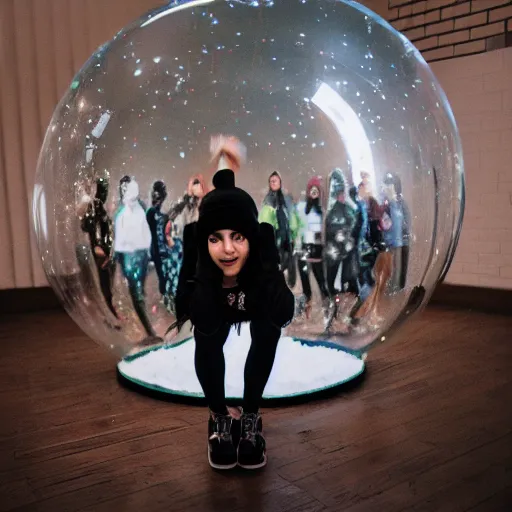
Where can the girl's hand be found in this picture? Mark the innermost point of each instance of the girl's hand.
(269, 256)
(227, 151)
(99, 251)
(168, 234)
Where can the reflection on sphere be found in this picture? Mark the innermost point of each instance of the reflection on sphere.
(352, 154)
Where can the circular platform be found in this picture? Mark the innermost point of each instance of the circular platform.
(301, 368)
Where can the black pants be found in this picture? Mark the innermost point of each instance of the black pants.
(287, 260)
(349, 282)
(400, 266)
(332, 267)
(160, 274)
(318, 271)
(105, 275)
(350, 272)
(211, 366)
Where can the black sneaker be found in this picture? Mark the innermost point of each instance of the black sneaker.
(221, 451)
(252, 447)
(235, 425)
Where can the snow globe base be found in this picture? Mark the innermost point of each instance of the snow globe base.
(302, 369)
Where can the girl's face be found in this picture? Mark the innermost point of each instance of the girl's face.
(274, 183)
(123, 187)
(197, 189)
(314, 193)
(229, 250)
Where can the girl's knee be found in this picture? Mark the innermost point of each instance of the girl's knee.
(263, 330)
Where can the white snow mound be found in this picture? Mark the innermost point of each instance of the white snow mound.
(298, 368)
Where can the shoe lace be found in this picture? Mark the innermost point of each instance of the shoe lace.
(250, 425)
(222, 429)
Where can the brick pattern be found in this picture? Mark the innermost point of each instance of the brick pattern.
(444, 29)
(479, 90)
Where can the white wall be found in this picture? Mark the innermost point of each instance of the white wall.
(479, 89)
(43, 42)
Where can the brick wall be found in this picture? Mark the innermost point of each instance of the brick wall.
(479, 89)
(444, 29)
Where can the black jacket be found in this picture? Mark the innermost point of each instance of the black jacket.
(97, 224)
(201, 299)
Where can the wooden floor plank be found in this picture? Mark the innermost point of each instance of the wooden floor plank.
(220, 492)
(450, 487)
(429, 424)
(497, 503)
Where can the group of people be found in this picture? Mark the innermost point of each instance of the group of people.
(337, 238)
(334, 236)
(138, 236)
(221, 263)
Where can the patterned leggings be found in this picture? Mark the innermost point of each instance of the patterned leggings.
(135, 267)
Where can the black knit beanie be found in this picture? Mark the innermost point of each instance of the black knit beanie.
(227, 207)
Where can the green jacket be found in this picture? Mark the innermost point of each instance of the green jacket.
(268, 214)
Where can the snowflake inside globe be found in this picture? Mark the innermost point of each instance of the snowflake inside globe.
(332, 122)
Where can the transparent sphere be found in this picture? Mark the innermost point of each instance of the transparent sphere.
(326, 93)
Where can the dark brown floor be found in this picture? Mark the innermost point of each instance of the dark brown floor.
(429, 429)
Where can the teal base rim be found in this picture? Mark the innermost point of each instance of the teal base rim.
(155, 388)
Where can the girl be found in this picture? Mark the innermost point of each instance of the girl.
(166, 250)
(230, 275)
(311, 224)
(186, 210)
(131, 245)
(279, 210)
(98, 225)
(340, 222)
(396, 237)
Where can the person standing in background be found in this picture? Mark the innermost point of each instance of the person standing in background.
(310, 242)
(279, 211)
(132, 243)
(396, 237)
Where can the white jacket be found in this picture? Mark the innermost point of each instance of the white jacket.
(311, 225)
(131, 227)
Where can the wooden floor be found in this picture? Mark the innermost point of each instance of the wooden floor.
(429, 429)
